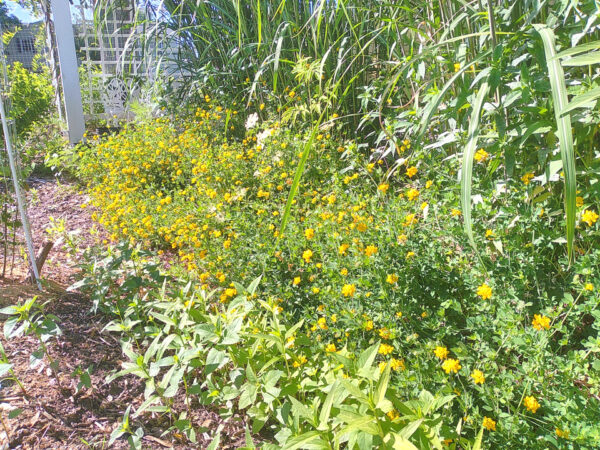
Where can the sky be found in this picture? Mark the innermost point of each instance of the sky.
(23, 14)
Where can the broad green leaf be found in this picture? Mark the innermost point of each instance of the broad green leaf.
(410, 429)
(326, 408)
(382, 386)
(311, 440)
(579, 49)
(565, 137)
(582, 60)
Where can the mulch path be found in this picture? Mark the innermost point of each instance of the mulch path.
(57, 417)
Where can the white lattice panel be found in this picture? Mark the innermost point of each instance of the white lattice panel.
(110, 55)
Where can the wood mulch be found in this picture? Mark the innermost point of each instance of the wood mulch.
(59, 416)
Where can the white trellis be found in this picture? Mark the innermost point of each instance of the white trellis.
(111, 56)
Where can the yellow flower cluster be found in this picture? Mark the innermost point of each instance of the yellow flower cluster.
(484, 291)
(540, 322)
(451, 365)
(531, 404)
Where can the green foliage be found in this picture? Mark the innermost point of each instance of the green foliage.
(244, 356)
(30, 318)
(31, 95)
(365, 258)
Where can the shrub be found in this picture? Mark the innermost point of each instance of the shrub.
(368, 259)
(31, 95)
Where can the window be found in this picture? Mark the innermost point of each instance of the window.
(26, 45)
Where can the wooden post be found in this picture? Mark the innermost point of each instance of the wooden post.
(65, 42)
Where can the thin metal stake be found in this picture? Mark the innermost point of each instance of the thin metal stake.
(15, 177)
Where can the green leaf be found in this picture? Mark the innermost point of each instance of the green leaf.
(582, 60)
(582, 100)
(311, 439)
(478, 440)
(382, 386)
(15, 413)
(467, 165)
(326, 408)
(298, 175)
(366, 358)
(559, 96)
(4, 368)
(214, 360)
(410, 429)
(362, 422)
(214, 445)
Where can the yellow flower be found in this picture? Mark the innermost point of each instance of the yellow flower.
(478, 377)
(399, 315)
(579, 201)
(292, 94)
(370, 250)
(456, 67)
(309, 233)
(384, 333)
(589, 217)
(451, 365)
(307, 255)
(428, 184)
(316, 290)
(330, 348)
(412, 194)
(296, 281)
(334, 318)
(392, 278)
(322, 323)
(301, 360)
(562, 433)
(441, 352)
(484, 291)
(411, 171)
(397, 364)
(531, 404)
(348, 290)
(409, 220)
(344, 272)
(410, 254)
(424, 205)
(369, 325)
(383, 187)
(393, 414)
(402, 239)
(526, 179)
(489, 234)
(540, 322)
(343, 249)
(489, 424)
(385, 349)
(262, 106)
(589, 287)
(455, 212)
(481, 155)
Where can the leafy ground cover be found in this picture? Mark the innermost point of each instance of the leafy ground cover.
(506, 335)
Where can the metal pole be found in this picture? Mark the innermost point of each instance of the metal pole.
(14, 174)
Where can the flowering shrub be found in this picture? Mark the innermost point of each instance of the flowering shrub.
(244, 356)
(368, 260)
